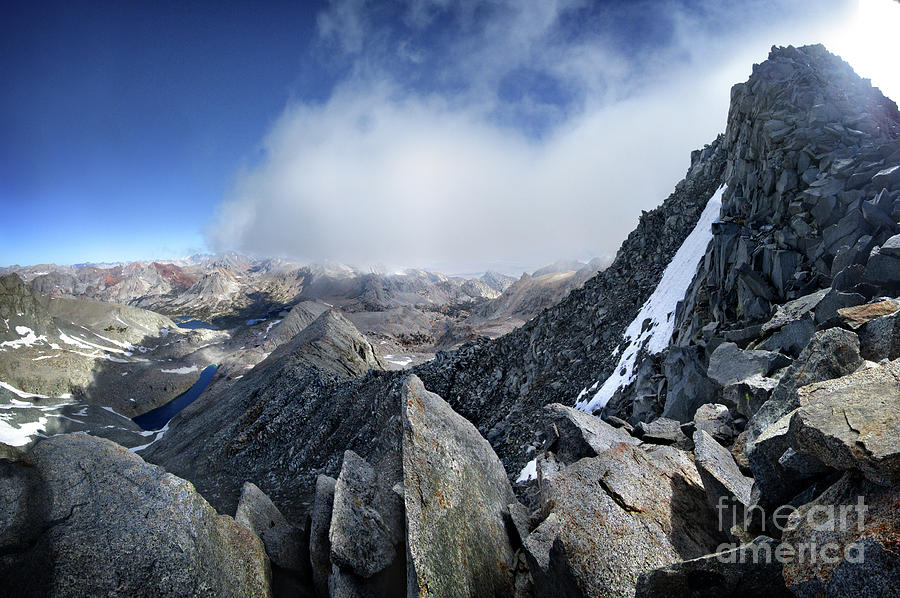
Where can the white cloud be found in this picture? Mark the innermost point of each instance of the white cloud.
(388, 172)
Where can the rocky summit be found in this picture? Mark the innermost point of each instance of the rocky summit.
(715, 413)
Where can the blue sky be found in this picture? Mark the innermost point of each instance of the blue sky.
(442, 133)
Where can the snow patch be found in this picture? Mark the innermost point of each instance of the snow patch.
(529, 472)
(652, 329)
(20, 434)
(28, 338)
(183, 370)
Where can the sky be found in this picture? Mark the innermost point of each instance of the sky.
(448, 134)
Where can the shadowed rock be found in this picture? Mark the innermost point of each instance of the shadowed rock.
(92, 518)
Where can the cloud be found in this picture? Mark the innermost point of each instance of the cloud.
(470, 134)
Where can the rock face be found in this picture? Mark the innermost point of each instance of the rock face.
(616, 515)
(853, 423)
(82, 516)
(456, 492)
(853, 528)
(727, 489)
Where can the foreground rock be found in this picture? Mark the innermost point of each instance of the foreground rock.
(286, 546)
(844, 543)
(82, 516)
(853, 422)
(456, 491)
(727, 489)
(616, 515)
(747, 571)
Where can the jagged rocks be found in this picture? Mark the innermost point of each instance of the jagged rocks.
(880, 338)
(742, 572)
(715, 420)
(618, 514)
(82, 516)
(286, 545)
(576, 434)
(456, 492)
(843, 544)
(729, 364)
(830, 354)
(320, 522)
(727, 489)
(853, 422)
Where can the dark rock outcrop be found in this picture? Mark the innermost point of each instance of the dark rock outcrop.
(83, 516)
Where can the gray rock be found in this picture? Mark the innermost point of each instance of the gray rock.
(891, 247)
(285, 544)
(852, 422)
(827, 310)
(830, 354)
(616, 515)
(320, 523)
(749, 395)
(882, 270)
(579, 434)
(662, 430)
(729, 364)
(456, 492)
(361, 541)
(774, 483)
(880, 338)
(715, 420)
(688, 386)
(791, 338)
(853, 525)
(82, 516)
(747, 571)
(727, 489)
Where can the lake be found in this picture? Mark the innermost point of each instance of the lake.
(159, 417)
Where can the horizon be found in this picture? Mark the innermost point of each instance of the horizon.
(433, 135)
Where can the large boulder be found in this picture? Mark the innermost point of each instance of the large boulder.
(830, 354)
(456, 492)
(880, 338)
(576, 434)
(715, 420)
(687, 384)
(730, 364)
(662, 430)
(82, 516)
(361, 540)
(616, 515)
(727, 489)
(853, 422)
(843, 544)
(286, 545)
